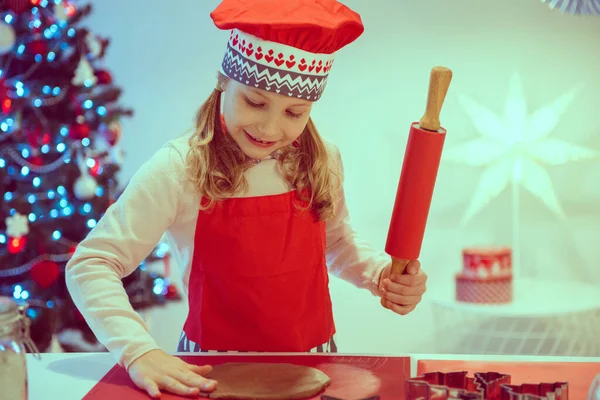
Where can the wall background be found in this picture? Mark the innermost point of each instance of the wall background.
(165, 57)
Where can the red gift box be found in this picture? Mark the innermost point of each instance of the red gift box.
(484, 291)
(486, 277)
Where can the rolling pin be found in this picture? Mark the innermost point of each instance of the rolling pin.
(417, 178)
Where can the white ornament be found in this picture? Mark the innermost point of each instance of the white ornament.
(7, 38)
(514, 147)
(93, 44)
(85, 186)
(60, 12)
(101, 144)
(84, 74)
(116, 155)
(17, 225)
(115, 128)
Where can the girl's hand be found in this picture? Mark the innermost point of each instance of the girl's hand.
(158, 370)
(402, 293)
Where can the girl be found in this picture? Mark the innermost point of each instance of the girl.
(252, 202)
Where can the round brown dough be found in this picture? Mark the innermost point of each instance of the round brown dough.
(266, 381)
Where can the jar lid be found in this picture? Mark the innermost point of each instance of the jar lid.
(8, 309)
(14, 321)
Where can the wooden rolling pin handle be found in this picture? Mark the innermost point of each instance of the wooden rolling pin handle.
(398, 268)
(439, 81)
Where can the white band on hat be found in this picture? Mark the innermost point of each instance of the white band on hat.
(276, 67)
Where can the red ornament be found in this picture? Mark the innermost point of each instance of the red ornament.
(46, 138)
(5, 101)
(33, 137)
(6, 104)
(36, 160)
(111, 132)
(16, 244)
(69, 9)
(19, 6)
(79, 131)
(104, 77)
(38, 47)
(95, 169)
(44, 273)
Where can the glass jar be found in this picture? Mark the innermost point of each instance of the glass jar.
(594, 392)
(14, 338)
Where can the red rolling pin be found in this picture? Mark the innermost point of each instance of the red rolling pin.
(418, 176)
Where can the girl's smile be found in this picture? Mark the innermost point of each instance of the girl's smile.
(260, 143)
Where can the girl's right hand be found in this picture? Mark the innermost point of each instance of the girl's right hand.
(157, 370)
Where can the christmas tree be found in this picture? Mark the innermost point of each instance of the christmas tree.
(59, 160)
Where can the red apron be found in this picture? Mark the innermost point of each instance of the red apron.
(258, 280)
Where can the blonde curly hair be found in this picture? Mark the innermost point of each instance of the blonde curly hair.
(215, 164)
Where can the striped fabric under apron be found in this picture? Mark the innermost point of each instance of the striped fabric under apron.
(187, 346)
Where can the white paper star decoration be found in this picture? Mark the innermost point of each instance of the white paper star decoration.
(575, 7)
(514, 147)
(17, 225)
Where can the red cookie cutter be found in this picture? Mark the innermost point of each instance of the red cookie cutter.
(482, 386)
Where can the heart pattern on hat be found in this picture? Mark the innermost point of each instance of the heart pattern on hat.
(279, 55)
(243, 69)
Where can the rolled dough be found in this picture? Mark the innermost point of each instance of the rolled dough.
(266, 381)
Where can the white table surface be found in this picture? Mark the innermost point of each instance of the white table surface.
(532, 298)
(69, 376)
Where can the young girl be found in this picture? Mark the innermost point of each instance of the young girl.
(253, 204)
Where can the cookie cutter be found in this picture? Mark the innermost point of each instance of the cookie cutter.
(458, 385)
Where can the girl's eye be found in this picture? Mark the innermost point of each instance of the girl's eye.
(253, 104)
(258, 105)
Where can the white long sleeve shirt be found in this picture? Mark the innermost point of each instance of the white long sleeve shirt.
(160, 200)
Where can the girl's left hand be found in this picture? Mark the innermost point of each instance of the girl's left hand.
(402, 293)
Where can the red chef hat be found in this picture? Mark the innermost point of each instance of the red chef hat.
(285, 46)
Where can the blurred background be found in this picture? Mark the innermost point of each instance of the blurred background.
(520, 166)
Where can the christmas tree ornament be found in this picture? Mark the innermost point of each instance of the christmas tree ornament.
(84, 74)
(93, 44)
(116, 155)
(79, 131)
(17, 225)
(63, 11)
(7, 37)
(114, 132)
(85, 186)
(37, 47)
(5, 101)
(18, 6)
(44, 273)
(104, 77)
(16, 244)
